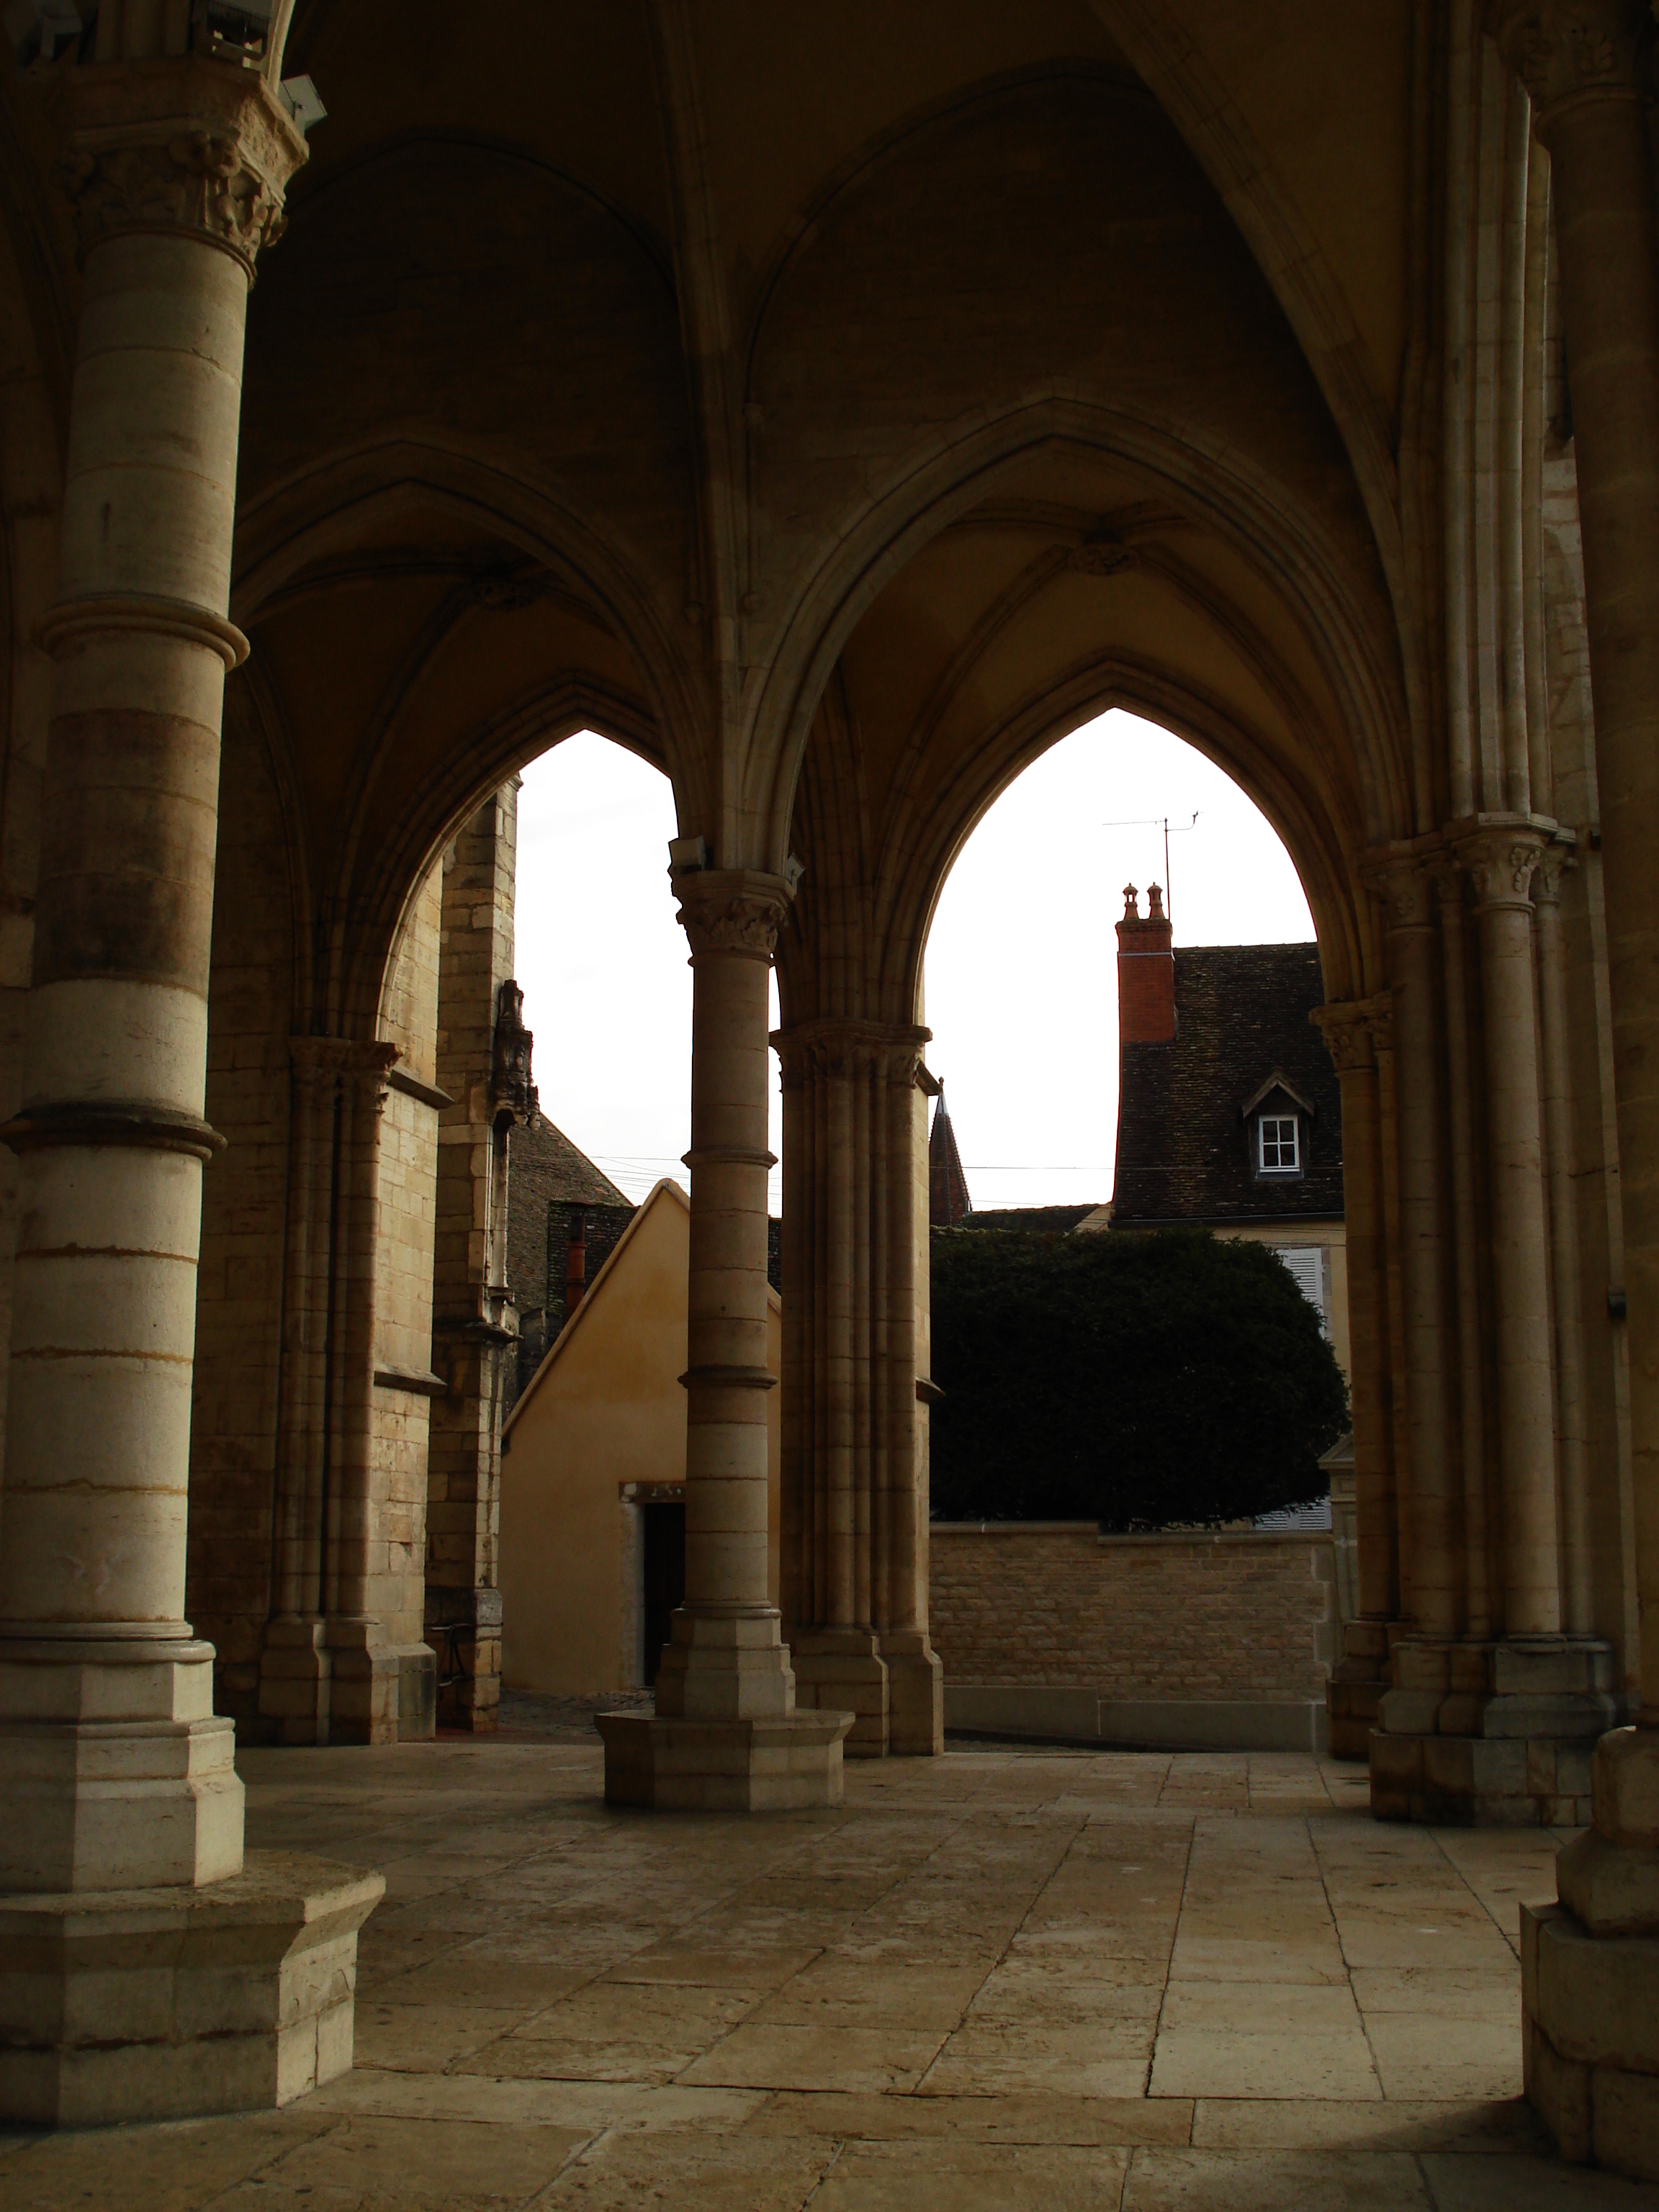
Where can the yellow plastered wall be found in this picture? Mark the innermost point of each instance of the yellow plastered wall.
(606, 1410)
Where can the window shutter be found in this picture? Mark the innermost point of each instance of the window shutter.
(1307, 1264)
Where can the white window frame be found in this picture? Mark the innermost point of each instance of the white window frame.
(1279, 1123)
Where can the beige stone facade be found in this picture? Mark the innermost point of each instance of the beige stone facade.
(837, 408)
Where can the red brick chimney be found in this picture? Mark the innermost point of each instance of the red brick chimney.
(1145, 971)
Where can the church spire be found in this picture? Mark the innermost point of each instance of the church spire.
(948, 1201)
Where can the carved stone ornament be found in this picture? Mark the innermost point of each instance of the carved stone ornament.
(1406, 888)
(730, 911)
(1552, 864)
(1568, 49)
(848, 1048)
(1500, 865)
(193, 146)
(1347, 1029)
(320, 1062)
(511, 1090)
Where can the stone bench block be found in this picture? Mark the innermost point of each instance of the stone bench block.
(723, 1766)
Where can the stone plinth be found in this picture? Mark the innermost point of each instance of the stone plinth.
(725, 1765)
(916, 1695)
(1489, 1735)
(841, 1670)
(1359, 1681)
(1590, 2007)
(1590, 1972)
(152, 2004)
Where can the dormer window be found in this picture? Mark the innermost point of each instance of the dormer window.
(1279, 1151)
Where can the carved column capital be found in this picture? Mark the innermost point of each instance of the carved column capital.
(731, 911)
(1401, 880)
(191, 146)
(1569, 51)
(846, 1046)
(1380, 1021)
(1345, 1027)
(319, 1062)
(1500, 863)
(1553, 863)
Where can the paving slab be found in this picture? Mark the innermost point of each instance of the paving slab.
(1149, 1983)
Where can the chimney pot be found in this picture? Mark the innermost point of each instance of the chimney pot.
(1131, 903)
(1146, 972)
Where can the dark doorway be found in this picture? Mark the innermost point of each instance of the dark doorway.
(664, 1576)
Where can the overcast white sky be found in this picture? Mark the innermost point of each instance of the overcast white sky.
(1021, 981)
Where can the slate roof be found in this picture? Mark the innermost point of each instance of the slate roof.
(545, 1168)
(1184, 1150)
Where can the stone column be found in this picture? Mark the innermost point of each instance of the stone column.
(365, 1698)
(1501, 863)
(92, 1552)
(858, 1620)
(1354, 1696)
(484, 1064)
(726, 1732)
(1467, 1159)
(1577, 1593)
(1592, 2052)
(1422, 1653)
(1419, 1113)
(116, 1773)
(1382, 1028)
(914, 1676)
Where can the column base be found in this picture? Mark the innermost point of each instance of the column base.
(1491, 1734)
(916, 1695)
(1589, 1972)
(840, 1670)
(296, 1674)
(464, 1627)
(724, 1667)
(1354, 1694)
(339, 1682)
(114, 1769)
(680, 1766)
(160, 2004)
(1590, 2019)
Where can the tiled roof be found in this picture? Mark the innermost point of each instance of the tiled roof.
(1184, 1147)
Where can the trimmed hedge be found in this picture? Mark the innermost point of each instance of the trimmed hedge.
(1138, 1380)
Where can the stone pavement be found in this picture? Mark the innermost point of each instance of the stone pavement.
(1009, 1978)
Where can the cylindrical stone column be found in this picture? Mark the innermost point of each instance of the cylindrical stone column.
(1500, 865)
(116, 1773)
(1413, 958)
(726, 1660)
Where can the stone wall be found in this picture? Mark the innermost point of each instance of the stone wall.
(1050, 1628)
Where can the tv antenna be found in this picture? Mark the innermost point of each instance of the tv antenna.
(1161, 821)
